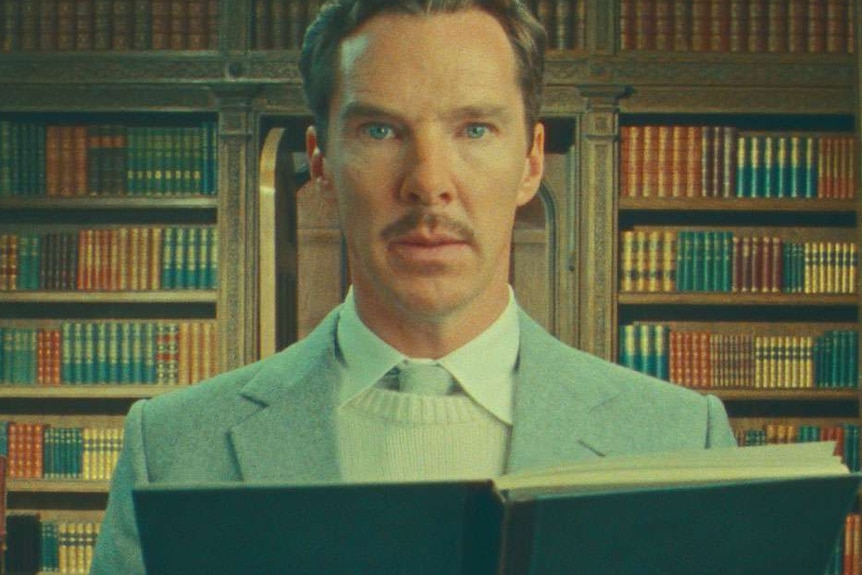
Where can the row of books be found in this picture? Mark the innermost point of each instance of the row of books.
(680, 161)
(281, 24)
(50, 546)
(116, 259)
(703, 359)
(718, 261)
(109, 353)
(40, 159)
(845, 436)
(777, 26)
(40, 451)
(564, 21)
(70, 25)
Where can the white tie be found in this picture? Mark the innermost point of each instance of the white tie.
(425, 379)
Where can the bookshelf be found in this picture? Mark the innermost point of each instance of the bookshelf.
(608, 71)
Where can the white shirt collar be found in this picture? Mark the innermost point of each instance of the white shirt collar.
(489, 382)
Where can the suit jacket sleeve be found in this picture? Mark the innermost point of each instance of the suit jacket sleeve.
(118, 549)
(719, 432)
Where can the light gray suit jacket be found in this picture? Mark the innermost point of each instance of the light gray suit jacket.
(274, 421)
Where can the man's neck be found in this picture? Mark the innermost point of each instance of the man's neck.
(426, 336)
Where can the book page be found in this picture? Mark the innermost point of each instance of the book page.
(682, 467)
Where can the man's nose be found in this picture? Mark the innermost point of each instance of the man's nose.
(429, 166)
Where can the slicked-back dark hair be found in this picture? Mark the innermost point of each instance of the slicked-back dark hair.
(339, 18)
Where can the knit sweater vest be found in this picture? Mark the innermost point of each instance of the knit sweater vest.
(387, 435)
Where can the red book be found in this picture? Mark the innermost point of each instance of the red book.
(103, 16)
(664, 25)
(178, 22)
(719, 26)
(817, 26)
(66, 23)
(777, 26)
(48, 25)
(79, 161)
(679, 160)
(700, 25)
(84, 33)
(758, 27)
(198, 23)
(212, 24)
(160, 25)
(777, 266)
(649, 185)
(123, 30)
(738, 29)
(645, 25)
(797, 26)
(67, 161)
(836, 26)
(682, 26)
(694, 186)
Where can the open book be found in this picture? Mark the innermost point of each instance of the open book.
(741, 511)
(682, 467)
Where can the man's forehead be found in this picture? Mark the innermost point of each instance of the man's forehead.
(464, 55)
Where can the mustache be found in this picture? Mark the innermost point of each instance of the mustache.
(434, 221)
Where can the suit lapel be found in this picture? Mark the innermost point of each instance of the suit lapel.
(555, 415)
(292, 436)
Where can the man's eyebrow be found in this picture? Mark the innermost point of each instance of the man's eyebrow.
(353, 110)
(357, 109)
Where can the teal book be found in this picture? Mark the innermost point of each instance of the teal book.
(697, 261)
(628, 346)
(5, 158)
(137, 352)
(90, 360)
(661, 347)
(169, 247)
(102, 354)
(811, 171)
(212, 267)
(709, 260)
(683, 261)
(114, 373)
(197, 160)
(150, 352)
(646, 349)
(181, 247)
(125, 358)
(783, 167)
(708, 512)
(133, 161)
(770, 173)
(757, 167)
(796, 167)
(191, 269)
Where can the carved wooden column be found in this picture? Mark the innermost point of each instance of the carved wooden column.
(238, 243)
(596, 254)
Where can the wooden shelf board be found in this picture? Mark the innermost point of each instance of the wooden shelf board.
(85, 391)
(783, 394)
(738, 299)
(56, 486)
(110, 203)
(137, 297)
(738, 204)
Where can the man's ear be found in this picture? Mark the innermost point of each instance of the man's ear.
(534, 166)
(317, 165)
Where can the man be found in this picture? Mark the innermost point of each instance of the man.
(426, 139)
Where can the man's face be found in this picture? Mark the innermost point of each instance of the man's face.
(427, 160)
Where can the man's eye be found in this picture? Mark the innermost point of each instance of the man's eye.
(476, 131)
(379, 131)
